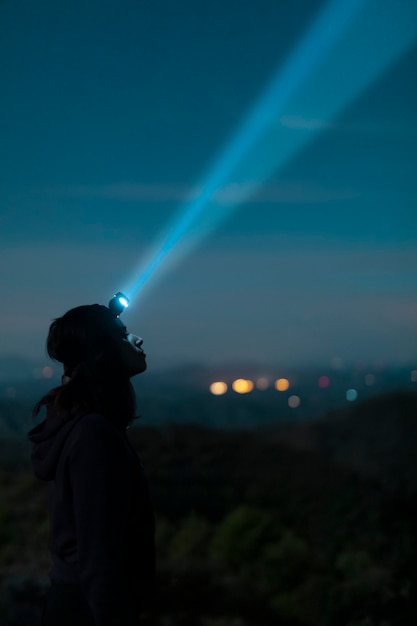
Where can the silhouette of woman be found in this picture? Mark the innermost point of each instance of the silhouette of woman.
(101, 517)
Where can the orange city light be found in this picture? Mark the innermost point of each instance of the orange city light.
(218, 388)
(282, 384)
(242, 385)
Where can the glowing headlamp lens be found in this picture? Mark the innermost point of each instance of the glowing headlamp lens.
(118, 303)
(123, 301)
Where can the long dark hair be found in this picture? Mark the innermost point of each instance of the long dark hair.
(86, 340)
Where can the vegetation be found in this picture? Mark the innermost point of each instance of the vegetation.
(251, 531)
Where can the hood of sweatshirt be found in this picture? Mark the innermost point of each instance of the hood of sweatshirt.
(48, 439)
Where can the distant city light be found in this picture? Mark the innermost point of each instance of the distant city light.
(242, 385)
(294, 402)
(218, 388)
(282, 384)
(324, 381)
(351, 395)
(413, 376)
(47, 371)
(370, 380)
(262, 383)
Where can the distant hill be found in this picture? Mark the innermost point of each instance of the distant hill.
(376, 437)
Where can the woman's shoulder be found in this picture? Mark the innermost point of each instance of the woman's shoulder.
(95, 436)
(95, 428)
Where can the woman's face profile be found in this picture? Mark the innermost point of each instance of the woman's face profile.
(133, 358)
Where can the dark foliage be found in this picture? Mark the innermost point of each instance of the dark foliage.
(257, 528)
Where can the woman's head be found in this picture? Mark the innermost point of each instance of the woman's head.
(99, 357)
(93, 335)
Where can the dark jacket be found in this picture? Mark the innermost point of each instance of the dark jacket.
(101, 517)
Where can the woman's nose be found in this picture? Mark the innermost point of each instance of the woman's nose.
(138, 341)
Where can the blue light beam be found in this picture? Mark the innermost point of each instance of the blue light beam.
(361, 51)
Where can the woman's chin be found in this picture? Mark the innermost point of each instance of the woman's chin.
(138, 368)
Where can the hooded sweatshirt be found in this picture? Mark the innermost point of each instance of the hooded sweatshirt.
(100, 513)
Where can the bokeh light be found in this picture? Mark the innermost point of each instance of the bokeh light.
(47, 371)
(337, 363)
(262, 383)
(351, 395)
(370, 380)
(294, 402)
(218, 388)
(242, 385)
(282, 384)
(323, 382)
(413, 376)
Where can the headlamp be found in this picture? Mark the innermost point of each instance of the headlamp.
(118, 303)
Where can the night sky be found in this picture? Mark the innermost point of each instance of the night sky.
(113, 112)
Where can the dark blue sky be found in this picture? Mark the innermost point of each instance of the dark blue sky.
(112, 112)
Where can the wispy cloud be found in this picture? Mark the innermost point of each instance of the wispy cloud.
(128, 191)
(282, 192)
(233, 193)
(303, 123)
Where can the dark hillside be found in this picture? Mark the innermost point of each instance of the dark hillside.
(377, 438)
(296, 525)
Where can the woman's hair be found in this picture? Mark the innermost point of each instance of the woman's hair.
(86, 340)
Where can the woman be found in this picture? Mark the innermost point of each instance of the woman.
(101, 518)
